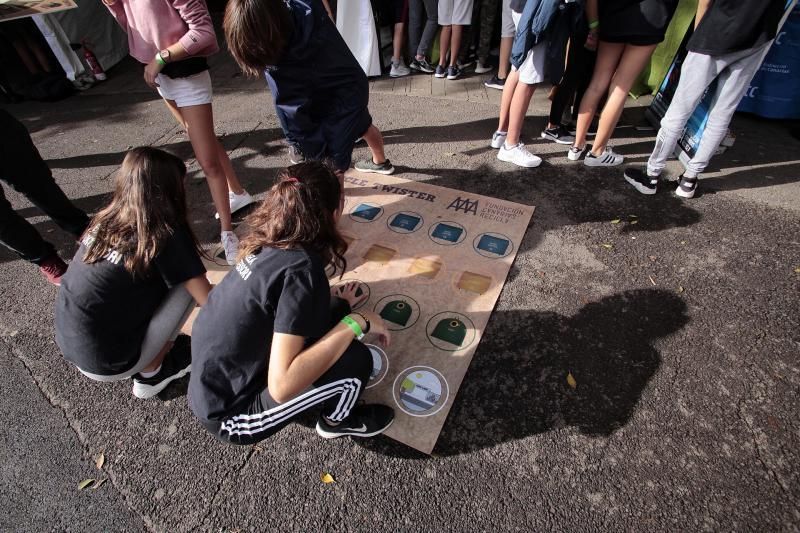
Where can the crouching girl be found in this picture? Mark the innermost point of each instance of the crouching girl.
(134, 280)
(269, 344)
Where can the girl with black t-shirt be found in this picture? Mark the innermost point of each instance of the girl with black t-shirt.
(274, 340)
(629, 31)
(134, 280)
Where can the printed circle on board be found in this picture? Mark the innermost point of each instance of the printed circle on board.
(366, 212)
(493, 245)
(450, 331)
(398, 310)
(447, 233)
(380, 365)
(363, 288)
(405, 222)
(420, 391)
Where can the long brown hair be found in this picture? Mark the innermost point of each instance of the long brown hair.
(298, 212)
(148, 204)
(257, 32)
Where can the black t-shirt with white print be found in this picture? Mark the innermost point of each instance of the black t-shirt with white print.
(102, 311)
(273, 291)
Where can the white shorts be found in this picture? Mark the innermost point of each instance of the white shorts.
(458, 12)
(194, 90)
(507, 26)
(531, 71)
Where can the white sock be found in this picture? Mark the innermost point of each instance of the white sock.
(507, 147)
(150, 374)
(501, 132)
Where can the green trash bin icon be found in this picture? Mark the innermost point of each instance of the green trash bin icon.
(450, 330)
(397, 312)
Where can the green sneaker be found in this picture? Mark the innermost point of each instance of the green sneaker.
(370, 166)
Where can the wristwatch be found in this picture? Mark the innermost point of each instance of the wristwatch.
(163, 57)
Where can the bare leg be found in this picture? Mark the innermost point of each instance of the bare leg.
(455, 44)
(519, 108)
(608, 56)
(505, 57)
(397, 42)
(230, 174)
(374, 140)
(505, 101)
(633, 60)
(198, 120)
(444, 44)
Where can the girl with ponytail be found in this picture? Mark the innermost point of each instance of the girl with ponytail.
(273, 340)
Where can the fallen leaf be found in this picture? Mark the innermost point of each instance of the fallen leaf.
(100, 460)
(634, 221)
(326, 478)
(652, 280)
(797, 270)
(683, 242)
(99, 483)
(615, 221)
(571, 381)
(680, 289)
(451, 154)
(606, 245)
(85, 483)
(633, 216)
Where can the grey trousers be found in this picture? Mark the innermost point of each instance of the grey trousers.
(165, 326)
(735, 71)
(422, 26)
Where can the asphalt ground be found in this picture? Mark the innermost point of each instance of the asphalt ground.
(678, 322)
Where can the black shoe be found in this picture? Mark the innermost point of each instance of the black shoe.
(686, 187)
(495, 83)
(440, 72)
(453, 72)
(590, 133)
(364, 421)
(641, 181)
(559, 134)
(422, 65)
(176, 364)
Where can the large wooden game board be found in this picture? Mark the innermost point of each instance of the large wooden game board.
(433, 262)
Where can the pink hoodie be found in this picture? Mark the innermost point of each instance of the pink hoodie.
(153, 25)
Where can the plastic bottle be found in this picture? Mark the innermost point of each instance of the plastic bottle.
(94, 64)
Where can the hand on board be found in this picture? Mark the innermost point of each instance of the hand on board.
(348, 292)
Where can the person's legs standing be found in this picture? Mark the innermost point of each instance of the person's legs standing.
(487, 18)
(399, 68)
(421, 35)
(19, 236)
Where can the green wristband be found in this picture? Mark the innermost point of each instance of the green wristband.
(160, 60)
(594, 24)
(352, 324)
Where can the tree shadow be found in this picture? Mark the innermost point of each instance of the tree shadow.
(517, 384)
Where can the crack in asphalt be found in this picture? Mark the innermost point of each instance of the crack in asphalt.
(770, 472)
(218, 489)
(19, 356)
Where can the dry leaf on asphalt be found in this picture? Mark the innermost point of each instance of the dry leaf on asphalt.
(634, 221)
(615, 221)
(99, 483)
(606, 245)
(680, 288)
(85, 483)
(652, 280)
(100, 460)
(571, 381)
(326, 478)
(797, 270)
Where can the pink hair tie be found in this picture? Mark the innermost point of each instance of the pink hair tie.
(292, 180)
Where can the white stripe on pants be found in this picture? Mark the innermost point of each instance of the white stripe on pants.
(735, 71)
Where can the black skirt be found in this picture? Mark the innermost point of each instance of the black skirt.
(636, 22)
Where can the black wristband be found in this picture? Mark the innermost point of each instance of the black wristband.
(366, 322)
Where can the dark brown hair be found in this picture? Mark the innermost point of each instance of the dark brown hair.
(257, 32)
(148, 204)
(298, 212)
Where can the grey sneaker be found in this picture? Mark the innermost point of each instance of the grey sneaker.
(453, 72)
(368, 165)
(440, 72)
(399, 70)
(422, 65)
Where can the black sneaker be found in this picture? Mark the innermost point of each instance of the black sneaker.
(641, 181)
(686, 187)
(176, 364)
(495, 83)
(559, 134)
(368, 165)
(364, 421)
(422, 65)
(590, 133)
(440, 72)
(453, 72)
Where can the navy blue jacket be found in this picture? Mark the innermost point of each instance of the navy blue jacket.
(321, 93)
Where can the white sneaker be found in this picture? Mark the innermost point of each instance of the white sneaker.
(519, 155)
(609, 158)
(498, 140)
(399, 70)
(482, 68)
(230, 243)
(237, 201)
(575, 153)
